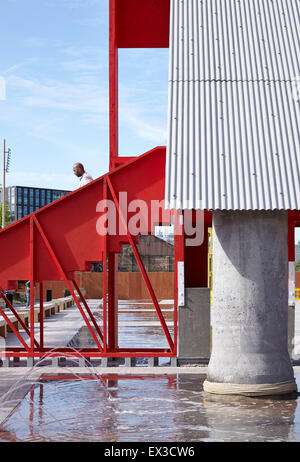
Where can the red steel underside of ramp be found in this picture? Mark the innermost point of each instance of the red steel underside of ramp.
(63, 237)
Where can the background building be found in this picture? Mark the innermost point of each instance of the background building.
(23, 200)
(157, 256)
(156, 253)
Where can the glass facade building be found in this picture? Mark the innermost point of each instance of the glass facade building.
(23, 200)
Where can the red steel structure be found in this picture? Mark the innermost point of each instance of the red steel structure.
(61, 238)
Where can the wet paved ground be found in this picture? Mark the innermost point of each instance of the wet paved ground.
(169, 408)
(168, 405)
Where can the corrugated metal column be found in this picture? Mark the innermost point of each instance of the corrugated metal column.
(249, 305)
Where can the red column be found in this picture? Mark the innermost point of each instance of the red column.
(112, 308)
(113, 85)
(178, 259)
(291, 235)
(41, 314)
(112, 303)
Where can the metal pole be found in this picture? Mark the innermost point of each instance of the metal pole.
(42, 314)
(3, 187)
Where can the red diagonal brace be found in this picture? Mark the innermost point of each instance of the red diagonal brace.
(60, 268)
(15, 313)
(142, 268)
(88, 309)
(20, 338)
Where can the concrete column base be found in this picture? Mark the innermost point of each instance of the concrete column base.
(55, 361)
(30, 362)
(250, 305)
(5, 361)
(277, 389)
(174, 362)
(152, 362)
(194, 327)
(130, 362)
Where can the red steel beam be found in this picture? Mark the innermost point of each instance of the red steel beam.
(138, 353)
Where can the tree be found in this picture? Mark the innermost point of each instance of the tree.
(8, 216)
(297, 265)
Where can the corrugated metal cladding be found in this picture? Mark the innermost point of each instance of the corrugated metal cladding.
(234, 115)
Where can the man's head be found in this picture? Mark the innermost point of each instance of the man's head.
(78, 169)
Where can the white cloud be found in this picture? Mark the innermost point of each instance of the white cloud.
(143, 126)
(80, 97)
(35, 41)
(2, 89)
(141, 111)
(17, 66)
(79, 65)
(77, 3)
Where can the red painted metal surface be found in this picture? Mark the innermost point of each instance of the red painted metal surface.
(142, 23)
(113, 86)
(62, 238)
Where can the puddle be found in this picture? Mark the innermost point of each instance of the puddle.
(147, 408)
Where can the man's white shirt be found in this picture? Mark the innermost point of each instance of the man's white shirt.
(85, 179)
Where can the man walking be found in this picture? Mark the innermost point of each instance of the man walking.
(79, 171)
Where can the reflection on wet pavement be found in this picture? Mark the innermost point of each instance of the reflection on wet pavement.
(169, 408)
(138, 327)
(148, 408)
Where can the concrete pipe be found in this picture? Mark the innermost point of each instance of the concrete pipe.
(249, 313)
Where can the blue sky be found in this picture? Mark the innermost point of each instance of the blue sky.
(54, 59)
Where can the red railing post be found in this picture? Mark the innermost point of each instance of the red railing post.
(31, 280)
(42, 314)
(112, 301)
